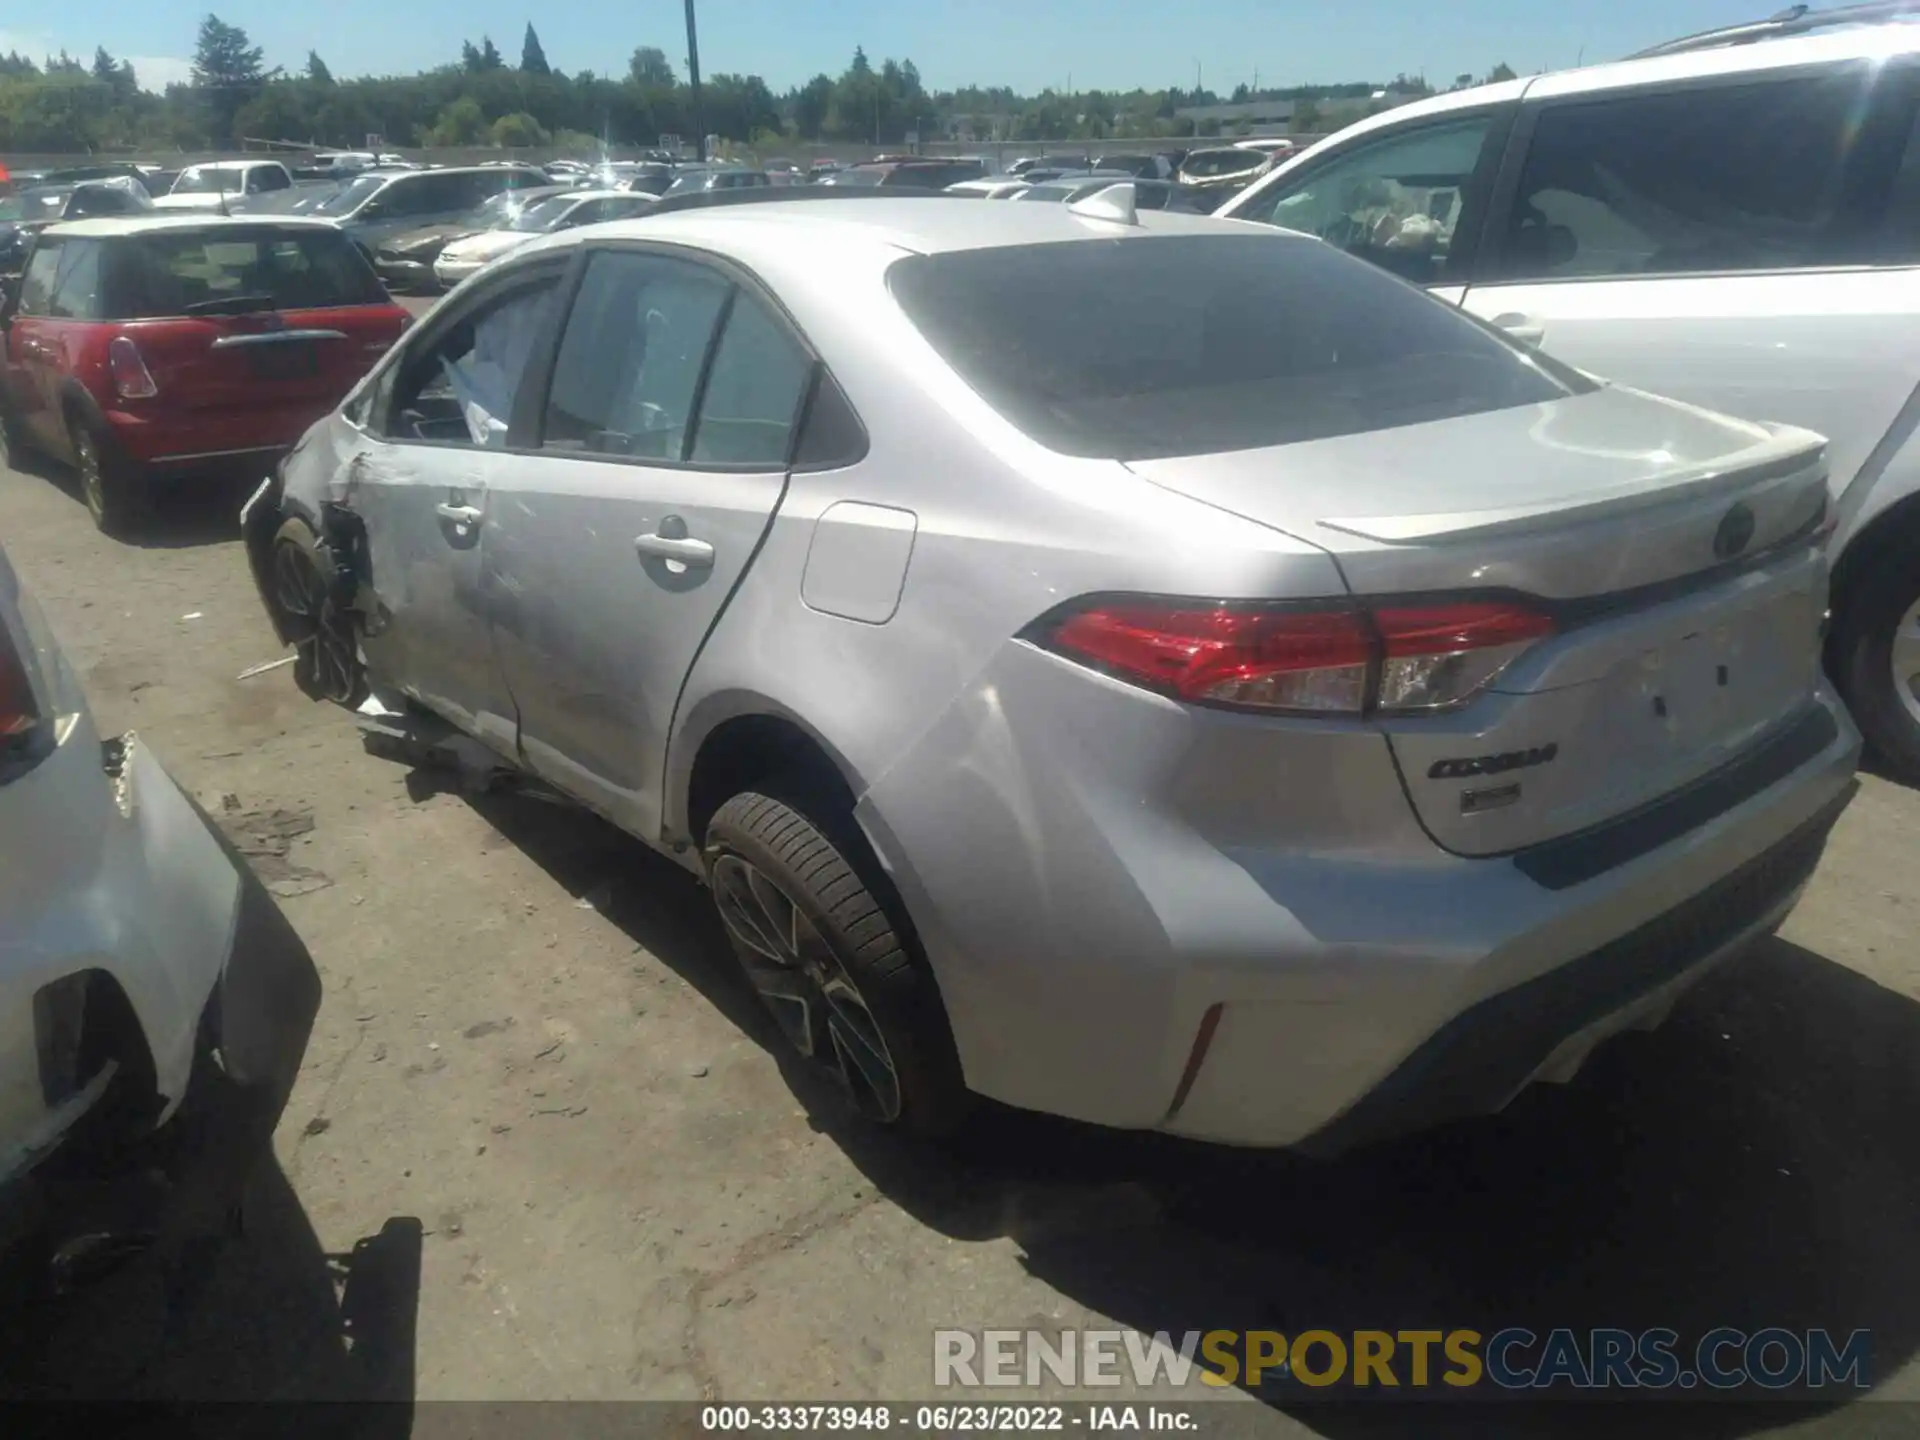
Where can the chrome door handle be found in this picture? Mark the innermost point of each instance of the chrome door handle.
(458, 514)
(674, 547)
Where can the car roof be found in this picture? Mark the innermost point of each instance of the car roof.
(1853, 42)
(919, 224)
(110, 226)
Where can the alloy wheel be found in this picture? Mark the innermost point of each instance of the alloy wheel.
(1905, 656)
(301, 591)
(802, 982)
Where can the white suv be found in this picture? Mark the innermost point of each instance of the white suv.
(1731, 219)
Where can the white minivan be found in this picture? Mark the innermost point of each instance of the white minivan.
(1732, 219)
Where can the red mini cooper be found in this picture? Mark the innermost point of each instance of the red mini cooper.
(152, 347)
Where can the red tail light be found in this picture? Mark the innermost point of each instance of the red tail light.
(19, 711)
(1338, 659)
(131, 378)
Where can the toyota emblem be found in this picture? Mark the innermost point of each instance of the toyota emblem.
(1736, 530)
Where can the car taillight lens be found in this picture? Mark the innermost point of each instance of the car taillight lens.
(131, 378)
(1344, 659)
(19, 711)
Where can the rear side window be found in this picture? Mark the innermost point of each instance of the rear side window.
(1245, 341)
(628, 371)
(76, 282)
(36, 285)
(187, 272)
(1719, 178)
(753, 394)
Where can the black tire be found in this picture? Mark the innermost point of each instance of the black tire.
(1882, 595)
(110, 484)
(13, 439)
(820, 866)
(305, 588)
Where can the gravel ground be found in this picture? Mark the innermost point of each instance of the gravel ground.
(544, 1147)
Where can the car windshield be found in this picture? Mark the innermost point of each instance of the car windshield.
(350, 197)
(544, 215)
(495, 212)
(187, 272)
(208, 180)
(33, 205)
(1248, 341)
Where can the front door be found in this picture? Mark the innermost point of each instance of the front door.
(1725, 244)
(33, 349)
(663, 455)
(424, 477)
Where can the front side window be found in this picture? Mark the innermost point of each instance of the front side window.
(1747, 177)
(628, 370)
(1252, 340)
(459, 388)
(1394, 202)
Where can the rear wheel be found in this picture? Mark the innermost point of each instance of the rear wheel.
(13, 446)
(109, 483)
(327, 657)
(834, 968)
(1879, 660)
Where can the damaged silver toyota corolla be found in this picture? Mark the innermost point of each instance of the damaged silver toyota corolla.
(154, 1002)
(1134, 666)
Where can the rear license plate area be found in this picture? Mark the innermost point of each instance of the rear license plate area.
(284, 361)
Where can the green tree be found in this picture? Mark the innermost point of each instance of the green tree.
(490, 55)
(226, 72)
(650, 66)
(461, 123)
(810, 105)
(519, 131)
(317, 70)
(533, 60)
(469, 57)
(1502, 71)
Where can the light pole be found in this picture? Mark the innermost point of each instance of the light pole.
(693, 78)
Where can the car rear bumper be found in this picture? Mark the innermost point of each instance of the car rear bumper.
(1137, 917)
(135, 948)
(183, 441)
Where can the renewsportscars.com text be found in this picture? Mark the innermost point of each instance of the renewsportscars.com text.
(1514, 1358)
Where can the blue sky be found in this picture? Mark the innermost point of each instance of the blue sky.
(1028, 44)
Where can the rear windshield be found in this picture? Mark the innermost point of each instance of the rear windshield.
(34, 205)
(1153, 346)
(187, 272)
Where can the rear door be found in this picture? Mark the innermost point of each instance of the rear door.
(663, 454)
(438, 446)
(1723, 241)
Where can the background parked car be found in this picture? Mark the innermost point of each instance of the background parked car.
(27, 212)
(1225, 168)
(911, 174)
(405, 260)
(1147, 194)
(558, 212)
(374, 206)
(159, 346)
(649, 178)
(730, 177)
(229, 185)
(1728, 222)
(992, 187)
(1147, 167)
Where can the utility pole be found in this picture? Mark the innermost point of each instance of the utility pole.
(693, 76)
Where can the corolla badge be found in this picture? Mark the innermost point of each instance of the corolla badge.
(1734, 534)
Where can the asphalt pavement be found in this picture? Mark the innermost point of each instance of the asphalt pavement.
(544, 1146)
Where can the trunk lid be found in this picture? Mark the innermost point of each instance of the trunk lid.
(1677, 551)
(264, 359)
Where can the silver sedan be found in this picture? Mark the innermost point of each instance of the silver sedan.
(1130, 665)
